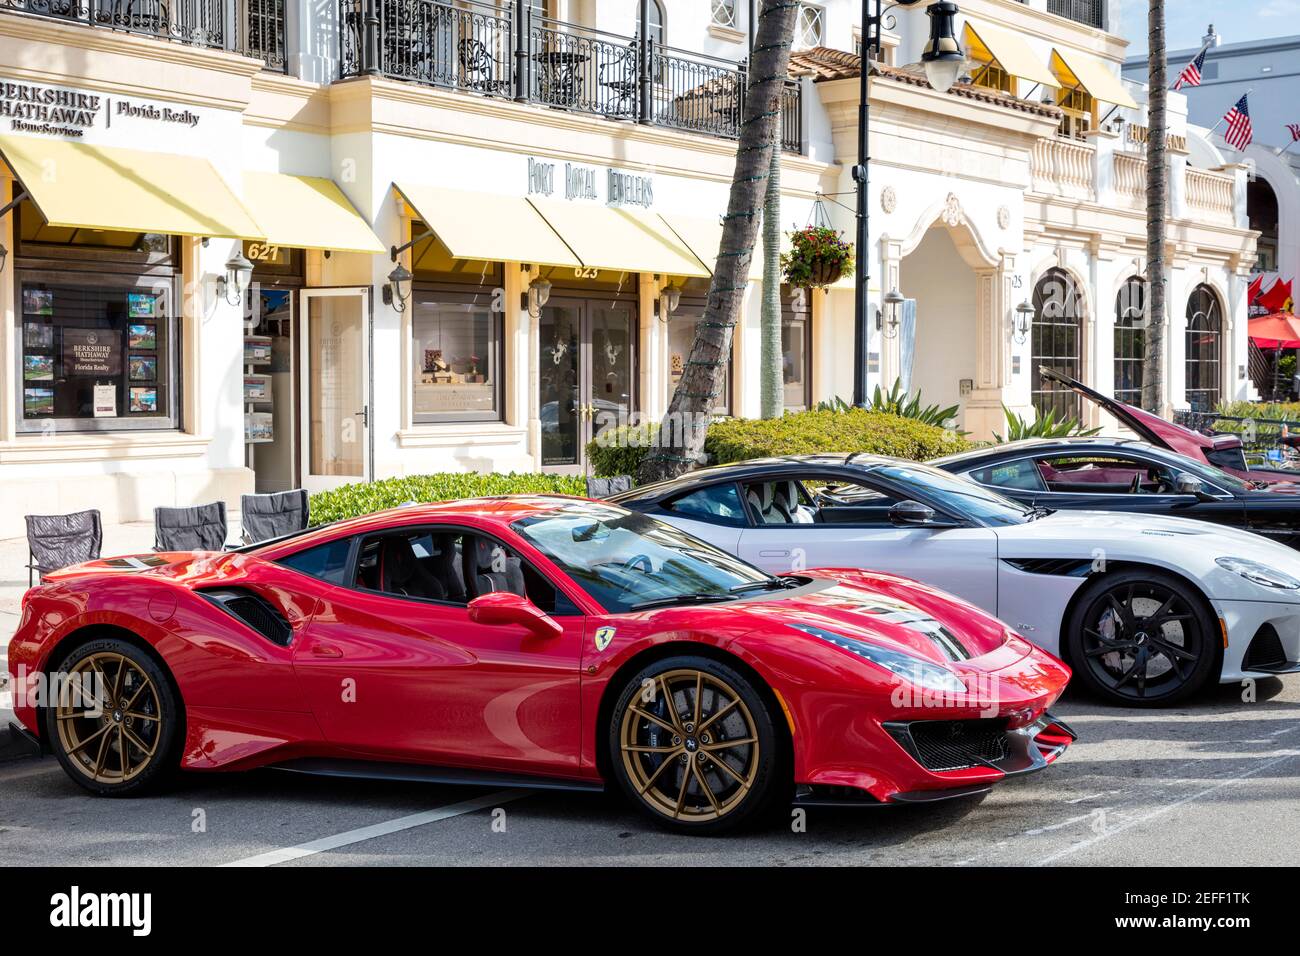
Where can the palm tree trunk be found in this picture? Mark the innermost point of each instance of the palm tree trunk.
(1153, 366)
(680, 441)
(772, 385)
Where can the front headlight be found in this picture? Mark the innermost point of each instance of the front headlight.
(924, 674)
(1261, 574)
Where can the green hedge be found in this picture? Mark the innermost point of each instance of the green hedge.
(350, 501)
(619, 451)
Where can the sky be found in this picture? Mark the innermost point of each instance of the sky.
(1186, 20)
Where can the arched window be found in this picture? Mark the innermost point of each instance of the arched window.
(1130, 340)
(656, 17)
(1204, 349)
(1057, 342)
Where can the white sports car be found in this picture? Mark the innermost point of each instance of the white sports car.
(1146, 609)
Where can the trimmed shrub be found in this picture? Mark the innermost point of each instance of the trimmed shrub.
(351, 501)
(619, 450)
(805, 433)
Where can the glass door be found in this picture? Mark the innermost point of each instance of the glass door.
(586, 376)
(335, 373)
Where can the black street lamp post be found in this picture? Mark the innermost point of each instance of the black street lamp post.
(943, 59)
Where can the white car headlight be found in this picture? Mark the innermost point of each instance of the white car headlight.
(1260, 574)
(924, 674)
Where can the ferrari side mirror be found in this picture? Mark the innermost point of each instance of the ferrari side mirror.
(505, 608)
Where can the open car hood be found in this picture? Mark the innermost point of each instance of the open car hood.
(1222, 451)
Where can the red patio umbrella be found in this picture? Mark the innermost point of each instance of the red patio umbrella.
(1281, 330)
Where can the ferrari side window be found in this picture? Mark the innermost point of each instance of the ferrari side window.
(328, 561)
(1021, 475)
(719, 504)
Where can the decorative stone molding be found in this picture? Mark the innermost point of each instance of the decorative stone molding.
(1004, 217)
(953, 215)
(888, 199)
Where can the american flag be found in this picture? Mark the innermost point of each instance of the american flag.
(1191, 75)
(1239, 133)
(1295, 131)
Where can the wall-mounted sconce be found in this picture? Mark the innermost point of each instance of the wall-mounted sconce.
(398, 289)
(888, 320)
(670, 297)
(539, 293)
(1023, 321)
(239, 273)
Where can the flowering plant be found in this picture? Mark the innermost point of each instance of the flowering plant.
(817, 257)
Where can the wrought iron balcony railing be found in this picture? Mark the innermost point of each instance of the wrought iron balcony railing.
(254, 28)
(514, 53)
(1091, 12)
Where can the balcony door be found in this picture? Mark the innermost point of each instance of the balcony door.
(586, 376)
(335, 361)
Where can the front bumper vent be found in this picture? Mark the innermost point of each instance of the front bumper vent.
(942, 745)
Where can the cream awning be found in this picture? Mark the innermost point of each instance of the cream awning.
(1009, 51)
(620, 239)
(80, 186)
(1080, 69)
(304, 212)
(704, 238)
(474, 225)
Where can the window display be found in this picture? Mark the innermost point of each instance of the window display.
(456, 346)
(96, 357)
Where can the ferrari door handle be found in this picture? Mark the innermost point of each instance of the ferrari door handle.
(774, 554)
(325, 650)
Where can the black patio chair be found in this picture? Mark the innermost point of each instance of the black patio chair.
(57, 541)
(272, 516)
(478, 67)
(201, 528)
(606, 487)
(618, 74)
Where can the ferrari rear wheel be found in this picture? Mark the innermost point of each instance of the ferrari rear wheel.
(113, 718)
(694, 745)
(1142, 638)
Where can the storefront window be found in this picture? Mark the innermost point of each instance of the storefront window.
(96, 357)
(681, 335)
(796, 349)
(456, 345)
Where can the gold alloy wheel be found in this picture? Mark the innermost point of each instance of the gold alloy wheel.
(109, 718)
(690, 745)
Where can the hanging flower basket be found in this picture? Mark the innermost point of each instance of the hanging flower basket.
(818, 257)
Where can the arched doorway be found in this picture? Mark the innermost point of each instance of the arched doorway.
(937, 327)
(1262, 209)
(1057, 336)
(1204, 349)
(1130, 340)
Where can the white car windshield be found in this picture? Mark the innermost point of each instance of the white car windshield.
(629, 562)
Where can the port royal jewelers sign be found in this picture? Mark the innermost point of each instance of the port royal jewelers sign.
(35, 108)
(579, 182)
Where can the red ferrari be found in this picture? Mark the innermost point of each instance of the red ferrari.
(539, 641)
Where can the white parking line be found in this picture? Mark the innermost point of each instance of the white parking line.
(1174, 805)
(360, 834)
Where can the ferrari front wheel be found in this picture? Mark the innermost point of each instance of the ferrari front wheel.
(694, 744)
(113, 718)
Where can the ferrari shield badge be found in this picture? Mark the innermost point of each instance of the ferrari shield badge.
(603, 636)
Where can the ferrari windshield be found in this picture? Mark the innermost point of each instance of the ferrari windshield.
(629, 562)
(957, 495)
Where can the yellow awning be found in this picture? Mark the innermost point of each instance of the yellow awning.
(80, 186)
(704, 238)
(474, 225)
(304, 212)
(1009, 51)
(620, 239)
(1080, 69)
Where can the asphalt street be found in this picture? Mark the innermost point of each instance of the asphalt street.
(1214, 782)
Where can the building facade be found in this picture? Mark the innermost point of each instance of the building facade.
(1263, 70)
(552, 186)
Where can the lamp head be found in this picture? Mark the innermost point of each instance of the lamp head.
(942, 57)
